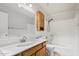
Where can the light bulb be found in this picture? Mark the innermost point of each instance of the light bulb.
(19, 6)
(30, 5)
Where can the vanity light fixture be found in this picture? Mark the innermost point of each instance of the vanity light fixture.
(27, 7)
(30, 5)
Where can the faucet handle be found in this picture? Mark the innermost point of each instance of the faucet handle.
(23, 39)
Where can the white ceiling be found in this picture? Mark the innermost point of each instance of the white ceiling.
(57, 7)
(58, 11)
(14, 7)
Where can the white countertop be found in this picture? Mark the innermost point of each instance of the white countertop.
(13, 49)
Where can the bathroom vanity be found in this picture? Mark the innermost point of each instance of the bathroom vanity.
(32, 48)
(37, 50)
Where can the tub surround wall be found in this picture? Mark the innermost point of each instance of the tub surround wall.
(64, 34)
(77, 32)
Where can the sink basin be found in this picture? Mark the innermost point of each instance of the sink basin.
(25, 44)
(1, 53)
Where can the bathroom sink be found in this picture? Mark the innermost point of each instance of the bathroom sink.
(25, 44)
(2, 53)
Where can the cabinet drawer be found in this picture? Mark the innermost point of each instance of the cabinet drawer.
(41, 52)
(31, 51)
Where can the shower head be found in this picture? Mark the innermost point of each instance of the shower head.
(50, 20)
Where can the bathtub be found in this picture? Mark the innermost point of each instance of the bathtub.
(55, 50)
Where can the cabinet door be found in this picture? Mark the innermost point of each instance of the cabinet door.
(33, 54)
(41, 52)
(40, 21)
(32, 50)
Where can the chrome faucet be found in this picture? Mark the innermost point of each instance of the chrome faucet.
(23, 39)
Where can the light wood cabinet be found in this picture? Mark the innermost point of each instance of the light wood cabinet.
(40, 21)
(41, 52)
(33, 55)
(38, 50)
(32, 50)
